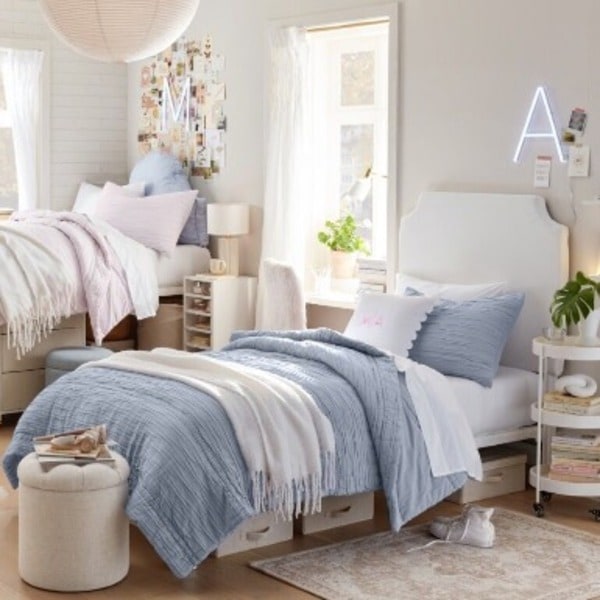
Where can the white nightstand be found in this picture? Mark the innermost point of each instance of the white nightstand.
(214, 306)
(539, 475)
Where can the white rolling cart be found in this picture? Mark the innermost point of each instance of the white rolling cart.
(547, 421)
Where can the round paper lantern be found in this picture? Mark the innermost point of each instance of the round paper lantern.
(119, 30)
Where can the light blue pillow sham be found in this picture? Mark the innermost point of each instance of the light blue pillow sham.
(195, 231)
(466, 339)
(162, 173)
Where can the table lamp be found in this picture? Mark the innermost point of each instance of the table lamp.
(227, 221)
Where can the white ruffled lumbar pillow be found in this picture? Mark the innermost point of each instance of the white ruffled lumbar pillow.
(457, 292)
(389, 322)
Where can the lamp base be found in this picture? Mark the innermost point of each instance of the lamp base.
(228, 250)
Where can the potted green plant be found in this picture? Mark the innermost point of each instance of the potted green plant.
(342, 238)
(574, 304)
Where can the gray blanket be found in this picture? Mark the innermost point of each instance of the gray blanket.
(189, 486)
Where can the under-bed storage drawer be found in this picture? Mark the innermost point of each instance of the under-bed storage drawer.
(503, 473)
(258, 531)
(17, 389)
(337, 511)
(36, 357)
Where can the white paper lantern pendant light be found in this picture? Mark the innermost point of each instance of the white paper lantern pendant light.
(119, 30)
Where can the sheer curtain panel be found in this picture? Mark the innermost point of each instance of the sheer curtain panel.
(21, 75)
(287, 157)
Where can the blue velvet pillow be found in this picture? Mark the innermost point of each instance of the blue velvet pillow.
(195, 231)
(466, 339)
(162, 173)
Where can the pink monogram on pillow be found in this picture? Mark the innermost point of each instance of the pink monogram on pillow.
(372, 320)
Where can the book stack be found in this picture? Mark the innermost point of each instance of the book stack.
(572, 405)
(372, 275)
(81, 446)
(575, 454)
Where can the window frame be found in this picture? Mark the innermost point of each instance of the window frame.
(388, 11)
(331, 46)
(43, 166)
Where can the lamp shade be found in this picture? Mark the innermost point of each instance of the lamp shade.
(119, 30)
(228, 219)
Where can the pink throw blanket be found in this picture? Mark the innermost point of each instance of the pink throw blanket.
(101, 288)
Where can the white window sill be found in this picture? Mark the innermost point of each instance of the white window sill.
(332, 300)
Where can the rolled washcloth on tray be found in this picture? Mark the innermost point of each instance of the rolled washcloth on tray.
(582, 386)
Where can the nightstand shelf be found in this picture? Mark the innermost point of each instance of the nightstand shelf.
(541, 478)
(214, 306)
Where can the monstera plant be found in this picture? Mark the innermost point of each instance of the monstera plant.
(574, 302)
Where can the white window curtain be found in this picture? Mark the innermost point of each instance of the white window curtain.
(287, 157)
(21, 76)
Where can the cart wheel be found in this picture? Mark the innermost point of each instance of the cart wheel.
(546, 496)
(538, 509)
(595, 513)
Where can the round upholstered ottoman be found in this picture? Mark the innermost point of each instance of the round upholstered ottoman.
(64, 360)
(73, 531)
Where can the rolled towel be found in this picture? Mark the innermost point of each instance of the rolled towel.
(582, 386)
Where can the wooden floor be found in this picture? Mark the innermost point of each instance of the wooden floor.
(230, 578)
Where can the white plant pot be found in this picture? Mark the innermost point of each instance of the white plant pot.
(342, 264)
(588, 329)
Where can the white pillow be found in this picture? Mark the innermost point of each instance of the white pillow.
(389, 322)
(457, 292)
(88, 194)
(155, 221)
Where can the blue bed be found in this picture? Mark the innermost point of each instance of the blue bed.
(189, 487)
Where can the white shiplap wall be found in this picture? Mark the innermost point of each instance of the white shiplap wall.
(87, 112)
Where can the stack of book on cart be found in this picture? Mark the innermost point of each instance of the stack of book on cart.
(82, 446)
(573, 405)
(575, 454)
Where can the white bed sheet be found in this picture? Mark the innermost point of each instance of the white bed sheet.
(504, 406)
(185, 260)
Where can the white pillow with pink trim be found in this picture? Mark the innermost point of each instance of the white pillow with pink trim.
(389, 322)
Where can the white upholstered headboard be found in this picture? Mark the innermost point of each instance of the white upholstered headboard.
(476, 238)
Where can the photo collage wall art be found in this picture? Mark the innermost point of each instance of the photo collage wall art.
(186, 116)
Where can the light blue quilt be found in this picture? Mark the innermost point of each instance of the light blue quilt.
(189, 486)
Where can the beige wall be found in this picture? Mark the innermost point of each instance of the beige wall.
(468, 71)
(87, 112)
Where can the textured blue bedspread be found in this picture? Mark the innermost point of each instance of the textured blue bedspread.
(189, 486)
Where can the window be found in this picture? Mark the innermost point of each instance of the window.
(24, 127)
(8, 169)
(349, 75)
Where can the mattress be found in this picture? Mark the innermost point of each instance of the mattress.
(185, 260)
(503, 407)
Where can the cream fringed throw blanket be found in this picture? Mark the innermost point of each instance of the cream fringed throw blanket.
(281, 432)
(35, 288)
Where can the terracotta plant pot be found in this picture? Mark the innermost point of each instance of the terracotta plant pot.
(342, 264)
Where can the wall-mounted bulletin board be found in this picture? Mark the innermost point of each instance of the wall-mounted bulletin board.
(182, 106)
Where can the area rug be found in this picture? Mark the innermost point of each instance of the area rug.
(532, 559)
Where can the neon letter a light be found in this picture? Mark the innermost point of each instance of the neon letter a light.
(540, 95)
